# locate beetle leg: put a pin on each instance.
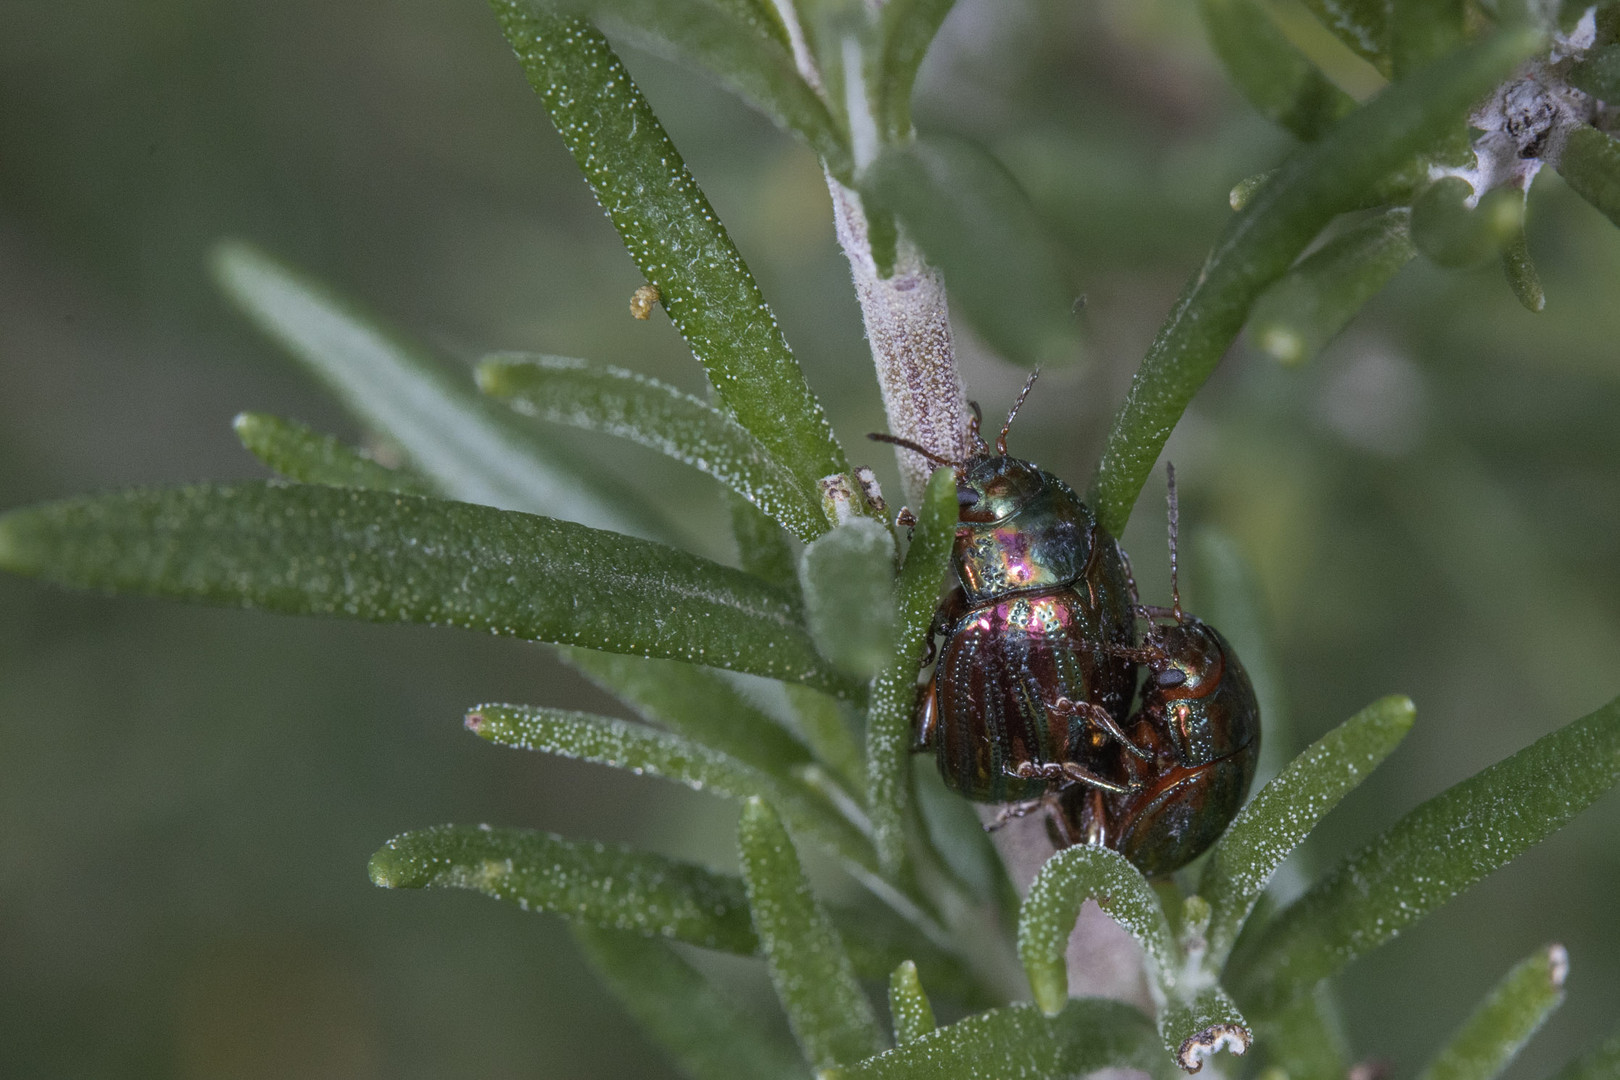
(1014, 811)
(1065, 771)
(1104, 719)
(927, 720)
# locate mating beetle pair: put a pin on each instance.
(1030, 700)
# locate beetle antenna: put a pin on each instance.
(878, 436)
(1175, 526)
(979, 445)
(1001, 440)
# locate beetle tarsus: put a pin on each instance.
(1104, 719)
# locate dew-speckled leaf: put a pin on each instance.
(976, 223)
(1510, 1014)
(1262, 241)
(1018, 1042)
(1068, 880)
(696, 703)
(1598, 74)
(1361, 24)
(826, 1008)
(1590, 165)
(601, 884)
(675, 238)
(1296, 318)
(847, 580)
(383, 557)
(909, 1008)
(641, 749)
(704, 1034)
(300, 453)
(828, 726)
(892, 705)
(1428, 857)
(1281, 82)
(906, 30)
(1198, 1025)
(656, 415)
(748, 59)
(1602, 1062)
(472, 449)
(763, 549)
(1284, 812)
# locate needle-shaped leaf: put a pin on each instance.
(907, 28)
(1269, 70)
(703, 1033)
(1284, 812)
(828, 726)
(847, 579)
(382, 557)
(1295, 319)
(1451, 233)
(1598, 74)
(1361, 24)
(1019, 1041)
(1520, 270)
(893, 700)
(471, 449)
(1428, 857)
(909, 1008)
(1201, 1023)
(1422, 31)
(656, 415)
(826, 1008)
(674, 236)
(599, 884)
(1590, 165)
(696, 703)
(1065, 883)
(746, 56)
(639, 749)
(300, 453)
(973, 220)
(763, 548)
(1268, 234)
(1602, 1062)
(1507, 1018)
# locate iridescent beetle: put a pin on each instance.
(1035, 676)
(1200, 722)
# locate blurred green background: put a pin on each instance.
(188, 796)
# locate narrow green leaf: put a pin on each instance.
(1361, 24)
(1602, 1062)
(893, 701)
(909, 1008)
(827, 1010)
(1598, 74)
(1284, 812)
(1018, 1041)
(696, 703)
(907, 30)
(828, 726)
(1295, 319)
(750, 60)
(1244, 189)
(1451, 233)
(599, 884)
(656, 415)
(1590, 165)
(1520, 270)
(763, 548)
(381, 557)
(847, 579)
(1068, 879)
(470, 448)
(1501, 1025)
(1422, 31)
(975, 222)
(1268, 234)
(643, 750)
(1304, 1040)
(1429, 856)
(704, 1034)
(1281, 82)
(1198, 1025)
(303, 454)
(674, 236)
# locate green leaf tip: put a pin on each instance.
(909, 1008)
(1510, 1014)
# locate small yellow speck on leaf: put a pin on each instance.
(642, 301)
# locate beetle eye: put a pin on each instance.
(966, 496)
(1170, 677)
